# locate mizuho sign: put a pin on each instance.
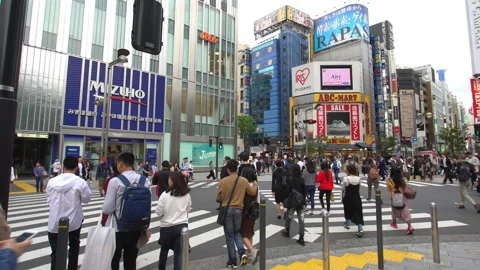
(99, 87)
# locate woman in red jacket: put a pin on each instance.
(325, 179)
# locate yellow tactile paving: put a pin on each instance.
(351, 260)
(27, 188)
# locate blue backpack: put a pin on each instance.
(135, 208)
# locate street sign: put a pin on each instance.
(414, 140)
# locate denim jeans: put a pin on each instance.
(464, 187)
(301, 219)
(311, 194)
(233, 222)
(348, 222)
(337, 179)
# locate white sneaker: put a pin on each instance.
(255, 254)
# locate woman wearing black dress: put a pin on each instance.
(352, 202)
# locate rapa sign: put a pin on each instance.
(303, 80)
(137, 98)
(347, 23)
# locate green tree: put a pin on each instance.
(454, 140)
(316, 147)
(385, 145)
(246, 127)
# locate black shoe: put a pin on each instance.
(279, 217)
(232, 265)
(218, 208)
(301, 241)
(286, 233)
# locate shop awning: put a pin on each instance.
(342, 146)
(364, 145)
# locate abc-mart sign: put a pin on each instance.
(306, 79)
(137, 97)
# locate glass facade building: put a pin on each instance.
(200, 75)
(271, 85)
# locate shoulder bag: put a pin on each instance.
(222, 214)
(409, 192)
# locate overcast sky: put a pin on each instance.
(425, 31)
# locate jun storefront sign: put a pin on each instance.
(137, 98)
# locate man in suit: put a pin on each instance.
(447, 169)
(82, 170)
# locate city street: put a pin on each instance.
(207, 241)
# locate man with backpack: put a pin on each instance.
(251, 208)
(128, 204)
(336, 165)
(465, 171)
(103, 172)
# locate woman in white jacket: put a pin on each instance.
(172, 208)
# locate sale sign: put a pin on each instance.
(475, 86)
(355, 122)
(321, 131)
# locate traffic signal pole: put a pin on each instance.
(12, 25)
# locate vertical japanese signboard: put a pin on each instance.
(355, 122)
(321, 131)
(475, 85)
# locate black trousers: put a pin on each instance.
(448, 175)
(212, 174)
(328, 193)
(74, 248)
(126, 244)
(170, 239)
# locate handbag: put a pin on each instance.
(222, 213)
(100, 247)
(332, 196)
(294, 199)
(410, 193)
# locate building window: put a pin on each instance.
(241, 70)
(120, 21)
(97, 52)
(224, 5)
(50, 24)
(137, 59)
(187, 12)
(28, 20)
(171, 27)
(154, 65)
(76, 27)
(234, 3)
(99, 29)
(241, 82)
(213, 3)
(186, 31)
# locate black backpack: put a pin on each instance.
(465, 172)
(253, 209)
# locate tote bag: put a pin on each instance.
(100, 247)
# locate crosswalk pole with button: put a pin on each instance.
(263, 243)
(325, 243)
(378, 203)
(185, 263)
(62, 244)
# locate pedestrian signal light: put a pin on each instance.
(220, 145)
(477, 129)
(147, 26)
(210, 142)
(309, 121)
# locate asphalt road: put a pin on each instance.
(207, 238)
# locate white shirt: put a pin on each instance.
(65, 195)
(80, 169)
(12, 174)
(173, 210)
(301, 164)
(113, 199)
(154, 169)
(475, 162)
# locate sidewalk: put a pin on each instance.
(453, 255)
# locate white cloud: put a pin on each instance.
(426, 31)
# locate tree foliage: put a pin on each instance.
(316, 147)
(246, 127)
(385, 145)
(454, 140)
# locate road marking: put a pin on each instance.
(27, 188)
(210, 185)
(365, 218)
(197, 185)
(387, 227)
(270, 230)
(308, 236)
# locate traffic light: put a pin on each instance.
(279, 141)
(477, 129)
(220, 145)
(210, 142)
(147, 26)
(309, 121)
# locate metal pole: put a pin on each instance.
(218, 136)
(185, 262)
(106, 110)
(326, 245)
(216, 156)
(378, 204)
(306, 133)
(62, 244)
(435, 238)
(12, 26)
(263, 243)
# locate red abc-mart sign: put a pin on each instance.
(475, 85)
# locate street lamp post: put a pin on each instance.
(122, 59)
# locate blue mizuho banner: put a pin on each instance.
(137, 98)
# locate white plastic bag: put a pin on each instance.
(100, 247)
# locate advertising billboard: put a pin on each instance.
(337, 98)
(336, 77)
(325, 76)
(299, 17)
(137, 98)
(473, 16)
(339, 120)
(270, 20)
(347, 23)
(475, 85)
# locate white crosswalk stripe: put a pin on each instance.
(313, 223)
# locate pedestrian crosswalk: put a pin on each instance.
(203, 184)
(412, 183)
(313, 223)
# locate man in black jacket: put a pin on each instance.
(161, 178)
(224, 173)
(447, 169)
